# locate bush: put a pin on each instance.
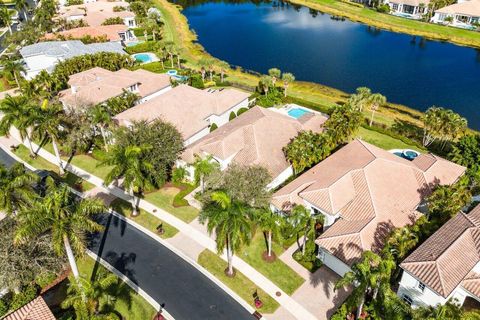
(309, 261)
(112, 21)
(196, 81)
(25, 296)
(179, 174)
(232, 116)
(73, 2)
(383, 8)
(209, 84)
(153, 67)
(99, 154)
(141, 47)
(241, 110)
(185, 189)
(119, 8)
(3, 308)
(45, 279)
(213, 127)
(138, 32)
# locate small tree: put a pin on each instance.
(265, 84)
(287, 79)
(275, 74)
(270, 223)
(203, 167)
(302, 220)
(375, 101)
(100, 118)
(16, 188)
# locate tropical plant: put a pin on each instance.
(442, 124)
(100, 118)
(302, 220)
(448, 311)
(223, 66)
(401, 242)
(466, 151)
(203, 167)
(228, 219)
(16, 188)
(112, 21)
(22, 5)
(375, 101)
(67, 218)
(343, 123)
(275, 74)
(270, 223)
(6, 17)
(287, 79)
(14, 68)
(265, 84)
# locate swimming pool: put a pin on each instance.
(405, 153)
(297, 112)
(143, 57)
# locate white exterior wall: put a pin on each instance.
(224, 117)
(130, 22)
(409, 286)
(333, 262)
(287, 173)
(75, 17)
(153, 95)
(197, 136)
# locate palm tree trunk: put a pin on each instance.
(360, 306)
(16, 79)
(71, 257)
(10, 28)
(59, 159)
(202, 184)
(134, 203)
(285, 90)
(222, 75)
(304, 243)
(30, 147)
(25, 15)
(102, 131)
(371, 118)
(153, 35)
(269, 243)
(171, 59)
(211, 76)
(178, 61)
(229, 257)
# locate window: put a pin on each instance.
(407, 299)
(421, 286)
(394, 6)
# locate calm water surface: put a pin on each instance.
(342, 54)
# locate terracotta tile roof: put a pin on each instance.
(36, 309)
(446, 259)
(111, 32)
(97, 85)
(95, 13)
(372, 190)
(414, 3)
(186, 107)
(469, 8)
(256, 137)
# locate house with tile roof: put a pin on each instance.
(97, 85)
(36, 309)
(413, 9)
(363, 192)
(115, 32)
(463, 14)
(191, 110)
(446, 266)
(256, 137)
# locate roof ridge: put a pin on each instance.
(440, 277)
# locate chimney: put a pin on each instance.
(74, 89)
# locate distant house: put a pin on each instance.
(45, 55)
(446, 266)
(97, 85)
(115, 33)
(192, 111)
(363, 192)
(37, 309)
(95, 13)
(463, 14)
(414, 9)
(256, 137)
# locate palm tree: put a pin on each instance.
(14, 68)
(266, 83)
(275, 74)
(287, 79)
(6, 17)
(270, 223)
(203, 167)
(360, 98)
(48, 126)
(302, 219)
(16, 188)
(401, 242)
(223, 68)
(375, 101)
(18, 112)
(128, 163)
(448, 311)
(66, 217)
(229, 220)
(101, 118)
(22, 5)
(169, 49)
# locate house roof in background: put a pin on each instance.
(36, 309)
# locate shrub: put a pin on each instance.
(213, 127)
(45, 279)
(119, 8)
(141, 47)
(153, 67)
(185, 189)
(112, 21)
(25, 296)
(241, 110)
(232, 116)
(138, 32)
(99, 154)
(196, 81)
(383, 8)
(3, 308)
(179, 174)
(73, 2)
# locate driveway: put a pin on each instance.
(185, 292)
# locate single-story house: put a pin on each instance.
(97, 85)
(192, 111)
(363, 192)
(256, 137)
(36, 309)
(461, 14)
(95, 13)
(45, 55)
(413, 9)
(446, 266)
(116, 33)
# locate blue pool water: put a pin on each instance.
(297, 112)
(409, 70)
(143, 57)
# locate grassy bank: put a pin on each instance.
(393, 23)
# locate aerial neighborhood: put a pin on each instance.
(143, 178)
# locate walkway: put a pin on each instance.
(194, 235)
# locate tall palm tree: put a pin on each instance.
(16, 188)
(287, 79)
(447, 311)
(14, 68)
(128, 163)
(228, 219)
(275, 73)
(22, 5)
(401, 242)
(270, 223)
(375, 101)
(18, 112)
(223, 68)
(360, 98)
(302, 219)
(66, 217)
(48, 126)
(6, 17)
(203, 167)
(266, 83)
(100, 118)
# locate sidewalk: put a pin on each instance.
(191, 233)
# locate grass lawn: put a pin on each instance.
(90, 165)
(278, 272)
(139, 309)
(383, 141)
(145, 219)
(40, 163)
(163, 199)
(240, 284)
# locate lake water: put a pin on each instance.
(342, 54)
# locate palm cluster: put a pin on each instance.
(443, 125)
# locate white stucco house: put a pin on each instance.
(363, 192)
(464, 14)
(256, 137)
(45, 55)
(446, 266)
(192, 111)
(413, 9)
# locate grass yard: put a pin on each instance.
(163, 199)
(383, 141)
(240, 284)
(91, 165)
(139, 309)
(278, 272)
(145, 219)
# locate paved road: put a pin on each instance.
(5, 159)
(167, 278)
